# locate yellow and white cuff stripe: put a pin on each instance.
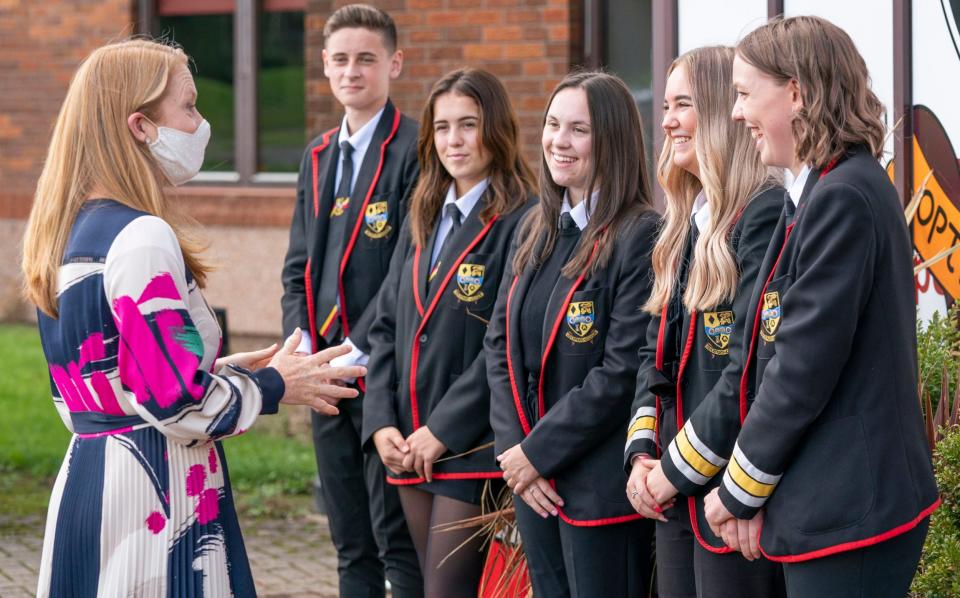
(643, 426)
(693, 458)
(746, 482)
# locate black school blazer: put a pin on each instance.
(387, 176)
(571, 432)
(426, 366)
(833, 446)
(689, 376)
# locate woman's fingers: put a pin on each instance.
(324, 357)
(743, 538)
(549, 492)
(343, 372)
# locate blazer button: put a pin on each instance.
(423, 338)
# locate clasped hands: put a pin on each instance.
(651, 492)
(308, 379)
(417, 453)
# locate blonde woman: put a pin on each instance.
(721, 210)
(142, 505)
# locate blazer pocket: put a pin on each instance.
(583, 327)
(473, 286)
(378, 224)
(829, 484)
(717, 326)
(771, 316)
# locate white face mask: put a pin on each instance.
(180, 154)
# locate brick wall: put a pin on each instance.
(527, 43)
(41, 44)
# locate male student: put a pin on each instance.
(354, 184)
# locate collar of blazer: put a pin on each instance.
(560, 298)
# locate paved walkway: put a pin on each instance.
(288, 558)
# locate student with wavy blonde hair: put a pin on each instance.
(832, 458)
(721, 208)
(142, 504)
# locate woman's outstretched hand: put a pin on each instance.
(310, 380)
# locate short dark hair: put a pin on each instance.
(366, 17)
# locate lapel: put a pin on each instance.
(556, 303)
(515, 304)
(423, 266)
(469, 230)
(324, 173)
(369, 171)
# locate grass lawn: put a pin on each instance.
(271, 467)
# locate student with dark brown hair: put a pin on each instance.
(352, 195)
(427, 402)
(562, 345)
(832, 460)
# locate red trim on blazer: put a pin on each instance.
(745, 375)
(524, 424)
(415, 355)
(480, 475)
(358, 225)
(691, 501)
(311, 308)
(847, 546)
(315, 159)
(658, 363)
(541, 406)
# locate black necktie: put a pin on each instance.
(789, 208)
(567, 222)
(328, 320)
(452, 212)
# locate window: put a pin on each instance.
(248, 63)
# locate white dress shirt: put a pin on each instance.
(796, 187)
(465, 204)
(701, 211)
(579, 213)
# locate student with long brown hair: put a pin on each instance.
(427, 401)
(832, 458)
(722, 205)
(562, 345)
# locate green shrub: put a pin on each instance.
(939, 573)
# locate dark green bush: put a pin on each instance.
(939, 573)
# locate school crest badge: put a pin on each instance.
(340, 206)
(718, 325)
(580, 320)
(770, 316)
(469, 281)
(377, 218)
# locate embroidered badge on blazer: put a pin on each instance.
(340, 206)
(770, 316)
(469, 281)
(377, 218)
(580, 320)
(718, 325)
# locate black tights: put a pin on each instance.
(459, 575)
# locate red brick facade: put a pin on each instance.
(42, 43)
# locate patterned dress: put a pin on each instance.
(142, 505)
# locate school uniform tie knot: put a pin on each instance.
(452, 212)
(567, 222)
(789, 208)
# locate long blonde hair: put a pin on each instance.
(731, 174)
(92, 150)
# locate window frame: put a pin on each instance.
(246, 61)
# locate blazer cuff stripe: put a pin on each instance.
(705, 468)
(645, 422)
(747, 483)
(640, 435)
(752, 470)
(685, 468)
(705, 452)
(739, 494)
